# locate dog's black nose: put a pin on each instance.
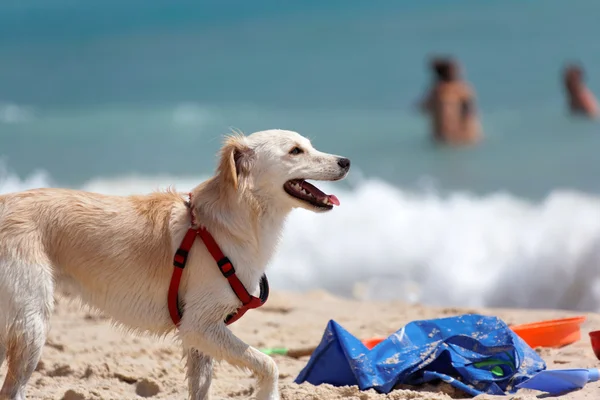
(344, 163)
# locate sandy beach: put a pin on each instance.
(86, 357)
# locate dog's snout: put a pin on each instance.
(344, 163)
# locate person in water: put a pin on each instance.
(450, 104)
(581, 100)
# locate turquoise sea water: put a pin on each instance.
(128, 96)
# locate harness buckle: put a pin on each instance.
(226, 267)
(180, 258)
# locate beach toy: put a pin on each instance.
(474, 353)
(559, 381)
(550, 333)
(307, 351)
(595, 338)
(372, 342)
(294, 353)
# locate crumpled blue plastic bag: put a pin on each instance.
(474, 353)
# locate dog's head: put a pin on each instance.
(275, 166)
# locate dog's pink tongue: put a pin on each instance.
(334, 200)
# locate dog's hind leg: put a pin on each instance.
(24, 353)
(199, 374)
(31, 307)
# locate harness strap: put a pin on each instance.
(179, 262)
(226, 268)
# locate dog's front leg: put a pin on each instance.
(199, 374)
(217, 341)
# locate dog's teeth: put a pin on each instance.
(297, 187)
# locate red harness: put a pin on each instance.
(226, 268)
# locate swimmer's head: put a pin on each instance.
(445, 69)
(573, 74)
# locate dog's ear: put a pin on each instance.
(236, 160)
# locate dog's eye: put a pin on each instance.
(296, 150)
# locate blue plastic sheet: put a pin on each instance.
(474, 353)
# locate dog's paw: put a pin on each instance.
(268, 392)
(268, 396)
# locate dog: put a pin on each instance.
(116, 254)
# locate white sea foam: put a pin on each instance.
(384, 242)
(190, 114)
(11, 113)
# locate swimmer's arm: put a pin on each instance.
(468, 108)
(426, 104)
(589, 103)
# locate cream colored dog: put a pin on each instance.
(116, 254)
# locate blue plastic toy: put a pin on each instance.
(559, 381)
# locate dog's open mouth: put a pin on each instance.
(308, 193)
